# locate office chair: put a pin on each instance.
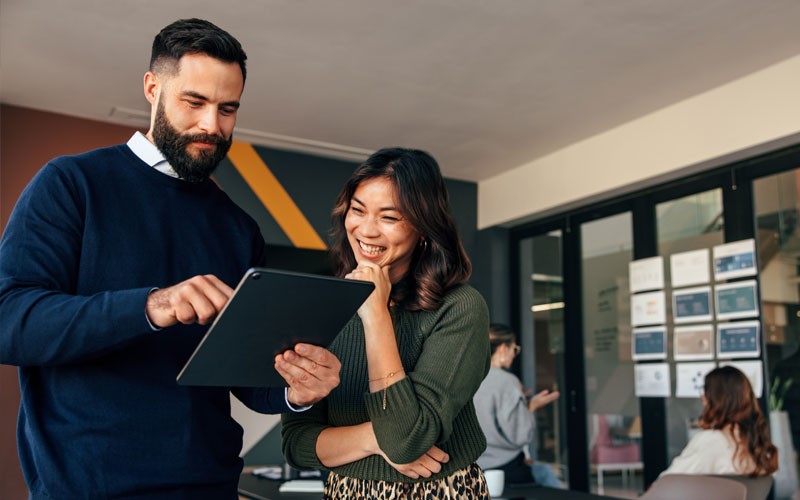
(757, 487)
(695, 487)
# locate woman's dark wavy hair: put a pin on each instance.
(730, 401)
(422, 199)
(195, 36)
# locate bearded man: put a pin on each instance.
(112, 265)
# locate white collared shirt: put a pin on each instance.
(150, 154)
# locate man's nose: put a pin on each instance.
(209, 122)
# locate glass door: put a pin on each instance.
(777, 209)
(542, 339)
(689, 223)
(612, 409)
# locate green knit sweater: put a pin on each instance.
(445, 354)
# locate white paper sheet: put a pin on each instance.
(648, 309)
(646, 274)
(690, 378)
(690, 268)
(652, 380)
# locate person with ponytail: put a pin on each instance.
(734, 438)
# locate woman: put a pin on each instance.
(506, 415)
(735, 438)
(402, 423)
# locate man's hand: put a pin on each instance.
(196, 300)
(311, 372)
(544, 398)
(425, 466)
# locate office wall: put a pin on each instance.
(734, 120)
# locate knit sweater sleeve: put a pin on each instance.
(299, 434)
(514, 420)
(44, 320)
(420, 409)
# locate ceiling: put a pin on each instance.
(484, 85)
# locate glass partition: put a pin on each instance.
(542, 339)
(613, 420)
(689, 223)
(778, 238)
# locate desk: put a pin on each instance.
(257, 488)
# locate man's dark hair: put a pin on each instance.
(194, 36)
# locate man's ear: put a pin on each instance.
(151, 87)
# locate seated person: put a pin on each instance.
(506, 415)
(734, 438)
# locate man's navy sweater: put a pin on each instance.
(101, 414)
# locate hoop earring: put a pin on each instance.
(424, 244)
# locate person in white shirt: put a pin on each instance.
(734, 438)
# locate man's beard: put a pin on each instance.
(173, 144)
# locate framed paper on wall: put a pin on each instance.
(649, 343)
(692, 305)
(692, 343)
(739, 339)
(736, 300)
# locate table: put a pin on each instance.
(258, 488)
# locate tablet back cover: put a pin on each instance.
(270, 312)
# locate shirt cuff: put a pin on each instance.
(152, 326)
(296, 409)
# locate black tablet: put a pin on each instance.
(270, 312)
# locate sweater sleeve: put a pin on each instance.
(514, 420)
(421, 408)
(299, 434)
(44, 320)
(268, 400)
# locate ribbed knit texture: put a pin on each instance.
(445, 354)
(101, 414)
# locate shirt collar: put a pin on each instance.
(150, 154)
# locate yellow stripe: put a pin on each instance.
(274, 198)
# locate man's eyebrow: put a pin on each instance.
(197, 95)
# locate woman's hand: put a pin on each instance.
(425, 466)
(378, 301)
(544, 398)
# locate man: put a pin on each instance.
(110, 265)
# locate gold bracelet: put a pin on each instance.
(385, 385)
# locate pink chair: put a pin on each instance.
(605, 455)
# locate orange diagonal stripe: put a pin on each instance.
(274, 198)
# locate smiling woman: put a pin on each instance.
(418, 345)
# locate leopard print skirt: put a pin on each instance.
(466, 483)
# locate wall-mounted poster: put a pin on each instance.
(648, 309)
(734, 260)
(754, 371)
(649, 343)
(652, 380)
(736, 300)
(692, 305)
(646, 274)
(690, 378)
(739, 339)
(690, 268)
(692, 343)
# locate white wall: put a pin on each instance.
(746, 113)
